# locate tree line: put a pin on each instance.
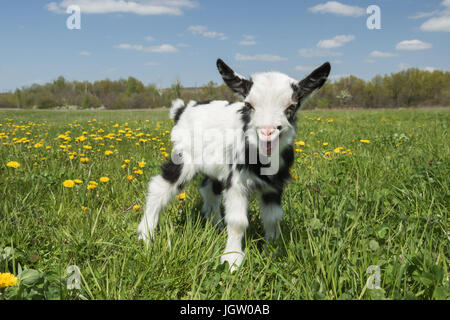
(408, 88)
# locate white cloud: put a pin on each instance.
(85, 53)
(439, 20)
(381, 54)
(437, 24)
(203, 31)
(318, 52)
(335, 42)
(141, 7)
(248, 40)
(259, 57)
(338, 8)
(421, 15)
(149, 38)
(413, 45)
(163, 48)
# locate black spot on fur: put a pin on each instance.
(245, 116)
(171, 171)
(217, 186)
(228, 183)
(277, 180)
(178, 114)
(273, 197)
(199, 103)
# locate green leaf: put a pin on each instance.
(31, 277)
(441, 293)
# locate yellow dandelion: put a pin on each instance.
(87, 147)
(142, 164)
(300, 143)
(7, 279)
(325, 144)
(13, 164)
(69, 184)
(108, 152)
(364, 141)
(104, 179)
(127, 161)
(130, 177)
(84, 208)
(77, 181)
(181, 196)
(84, 160)
(139, 171)
(136, 207)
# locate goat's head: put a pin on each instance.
(272, 99)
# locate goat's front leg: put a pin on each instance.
(271, 214)
(236, 203)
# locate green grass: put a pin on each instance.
(383, 203)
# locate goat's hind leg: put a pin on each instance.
(161, 189)
(211, 191)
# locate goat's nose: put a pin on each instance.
(266, 131)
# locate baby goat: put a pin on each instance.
(239, 147)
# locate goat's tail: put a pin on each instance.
(176, 109)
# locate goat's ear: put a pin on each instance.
(311, 83)
(234, 81)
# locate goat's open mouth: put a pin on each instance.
(266, 147)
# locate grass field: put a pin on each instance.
(369, 188)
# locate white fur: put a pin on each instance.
(210, 139)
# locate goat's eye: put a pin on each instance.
(249, 106)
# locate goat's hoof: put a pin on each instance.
(234, 259)
(144, 234)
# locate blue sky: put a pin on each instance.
(160, 41)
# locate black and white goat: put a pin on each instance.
(239, 147)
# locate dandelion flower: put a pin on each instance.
(108, 152)
(364, 141)
(181, 196)
(7, 279)
(104, 179)
(136, 207)
(84, 208)
(130, 177)
(77, 181)
(142, 164)
(92, 185)
(84, 160)
(325, 144)
(13, 164)
(69, 184)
